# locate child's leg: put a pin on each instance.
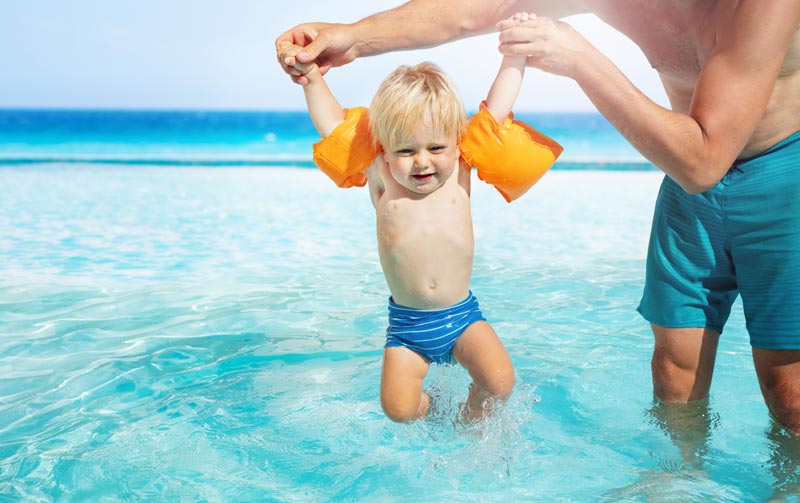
(480, 351)
(402, 397)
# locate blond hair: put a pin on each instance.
(404, 99)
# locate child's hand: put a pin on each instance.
(522, 17)
(550, 45)
(518, 19)
(299, 72)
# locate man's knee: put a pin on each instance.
(683, 363)
(783, 401)
(666, 377)
(779, 377)
(675, 382)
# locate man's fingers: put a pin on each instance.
(282, 40)
(532, 61)
(300, 79)
(511, 49)
(507, 24)
(508, 35)
(311, 51)
(510, 23)
(307, 55)
(520, 48)
(300, 37)
(517, 35)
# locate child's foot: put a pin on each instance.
(468, 416)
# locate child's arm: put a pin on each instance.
(508, 153)
(506, 85)
(325, 111)
(346, 149)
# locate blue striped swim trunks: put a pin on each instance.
(431, 332)
(741, 237)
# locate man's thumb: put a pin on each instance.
(311, 51)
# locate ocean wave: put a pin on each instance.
(299, 161)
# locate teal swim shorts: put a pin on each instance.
(740, 237)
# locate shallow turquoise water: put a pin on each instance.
(180, 334)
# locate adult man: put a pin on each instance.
(728, 216)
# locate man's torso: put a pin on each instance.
(677, 39)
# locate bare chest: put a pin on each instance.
(443, 216)
(675, 37)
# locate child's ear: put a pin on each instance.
(385, 156)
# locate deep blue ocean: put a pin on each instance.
(219, 138)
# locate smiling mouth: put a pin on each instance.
(423, 177)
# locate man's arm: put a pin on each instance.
(734, 86)
(413, 25)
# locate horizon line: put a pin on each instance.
(4, 108)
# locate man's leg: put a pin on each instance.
(682, 367)
(779, 377)
(683, 363)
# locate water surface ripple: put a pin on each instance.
(216, 335)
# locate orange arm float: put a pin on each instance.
(348, 150)
(512, 156)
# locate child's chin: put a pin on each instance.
(425, 188)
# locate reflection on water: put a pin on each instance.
(689, 426)
(784, 462)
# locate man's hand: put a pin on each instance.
(301, 73)
(552, 46)
(325, 44)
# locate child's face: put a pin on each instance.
(425, 160)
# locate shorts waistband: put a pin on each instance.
(786, 142)
(397, 309)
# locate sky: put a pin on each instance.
(219, 55)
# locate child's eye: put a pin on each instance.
(404, 151)
(436, 148)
